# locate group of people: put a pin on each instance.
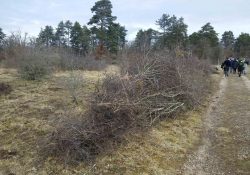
(232, 65)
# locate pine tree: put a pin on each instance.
(174, 32)
(228, 39)
(145, 39)
(116, 37)
(205, 42)
(46, 36)
(102, 21)
(227, 42)
(80, 38)
(68, 27)
(208, 34)
(60, 35)
(2, 36)
(242, 45)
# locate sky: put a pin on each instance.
(31, 15)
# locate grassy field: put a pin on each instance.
(29, 112)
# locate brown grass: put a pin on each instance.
(160, 87)
(31, 110)
(29, 113)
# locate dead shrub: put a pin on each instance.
(69, 61)
(14, 46)
(5, 89)
(17, 51)
(73, 84)
(150, 89)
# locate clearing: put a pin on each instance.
(197, 142)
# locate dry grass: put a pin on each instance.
(153, 89)
(28, 113)
(248, 73)
(161, 151)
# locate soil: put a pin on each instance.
(225, 147)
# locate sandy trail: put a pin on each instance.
(225, 147)
(246, 81)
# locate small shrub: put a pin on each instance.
(34, 66)
(73, 84)
(5, 89)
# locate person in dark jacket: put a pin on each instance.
(225, 66)
(231, 65)
(241, 67)
(235, 65)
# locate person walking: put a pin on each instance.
(240, 67)
(231, 65)
(225, 66)
(235, 65)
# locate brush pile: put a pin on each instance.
(148, 90)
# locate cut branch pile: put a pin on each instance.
(148, 90)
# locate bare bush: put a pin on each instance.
(150, 89)
(17, 46)
(69, 60)
(13, 46)
(73, 83)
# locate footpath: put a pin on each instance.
(225, 147)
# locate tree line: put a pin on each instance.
(205, 43)
(102, 34)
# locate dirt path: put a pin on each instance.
(225, 147)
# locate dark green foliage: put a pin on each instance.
(209, 35)
(145, 39)
(60, 35)
(46, 36)
(116, 37)
(80, 38)
(242, 45)
(106, 33)
(205, 43)
(194, 38)
(102, 19)
(228, 42)
(103, 13)
(174, 32)
(228, 39)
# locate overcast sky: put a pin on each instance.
(30, 15)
